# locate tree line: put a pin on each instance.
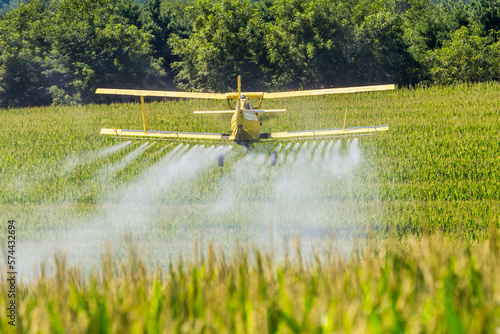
(58, 52)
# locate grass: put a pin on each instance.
(428, 191)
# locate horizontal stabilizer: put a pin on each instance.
(214, 112)
(324, 132)
(165, 134)
(264, 110)
(232, 111)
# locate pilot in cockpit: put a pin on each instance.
(245, 101)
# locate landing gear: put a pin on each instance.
(272, 157)
(220, 160)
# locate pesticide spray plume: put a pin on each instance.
(106, 172)
(75, 161)
(184, 196)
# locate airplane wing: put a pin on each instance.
(328, 91)
(166, 93)
(161, 93)
(324, 132)
(166, 134)
(163, 134)
(229, 96)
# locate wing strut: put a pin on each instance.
(144, 114)
(346, 107)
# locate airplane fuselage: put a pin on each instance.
(245, 124)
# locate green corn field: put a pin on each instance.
(431, 284)
(404, 240)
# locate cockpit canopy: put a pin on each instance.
(245, 102)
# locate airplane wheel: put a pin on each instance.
(273, 158)
(220, 160)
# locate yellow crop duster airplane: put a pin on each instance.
(245, 124)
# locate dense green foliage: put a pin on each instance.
(6, 5)
(60, 51)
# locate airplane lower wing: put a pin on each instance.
(165, 134)
(324, 132)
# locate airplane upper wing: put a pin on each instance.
(324, 132)
(229, 96)
(161, 93)
(327, 91)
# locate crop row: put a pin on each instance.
(437, 165)
(434, 284)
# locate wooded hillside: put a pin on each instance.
(59, 52)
